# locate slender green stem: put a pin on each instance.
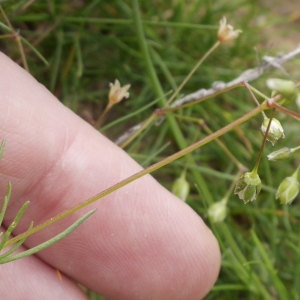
(279, 285)
(214, 47)
(276, 98)
(255, 169)
(157, 88)
(253, 97)
(257, 92)
(175, 129)
(144, 125)
(128, 116)
(21, 49)
(129, 22)
(222, 145)
(144, 172)
(224, 148)
(100, 120)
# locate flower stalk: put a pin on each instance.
(140, 174)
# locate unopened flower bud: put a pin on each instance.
(283, 153)
(286, 88)
(218, 211)
(181, 187)
(248, 186)
(288, 189)
(275, 131)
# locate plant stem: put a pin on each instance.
(284, 110)
(253, 97)
(157, 88)
(144, 172)
(144, 125)
(214, 47)
(100, 120)
(263, 143)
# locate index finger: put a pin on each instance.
(142, 242)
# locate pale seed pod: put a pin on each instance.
(248, 187)
(275, 132)
(282, 154)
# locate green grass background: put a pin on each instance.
(84, 45)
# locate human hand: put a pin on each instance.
(142, 243)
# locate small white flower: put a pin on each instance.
(226, 32)
(117, 93)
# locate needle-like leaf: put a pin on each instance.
(47, 243)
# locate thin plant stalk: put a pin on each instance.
(153, 77)
(284, 110)
(222, 145)
(255, 169)
(253, 97)
(100, 120)
(214, 47)
(144, 172)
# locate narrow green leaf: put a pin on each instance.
(56, 64)
(14, 224)
(47, 243)
(18, 245)
(5, 202)
(129, 116)
(2, 147)
(278, 284)
(79, 57)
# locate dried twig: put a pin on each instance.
(219, 86)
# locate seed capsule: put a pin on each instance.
(275, 132)
(248, 187)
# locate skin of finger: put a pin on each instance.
(30, 278)
(142, 243)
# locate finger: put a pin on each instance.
(142, 241)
